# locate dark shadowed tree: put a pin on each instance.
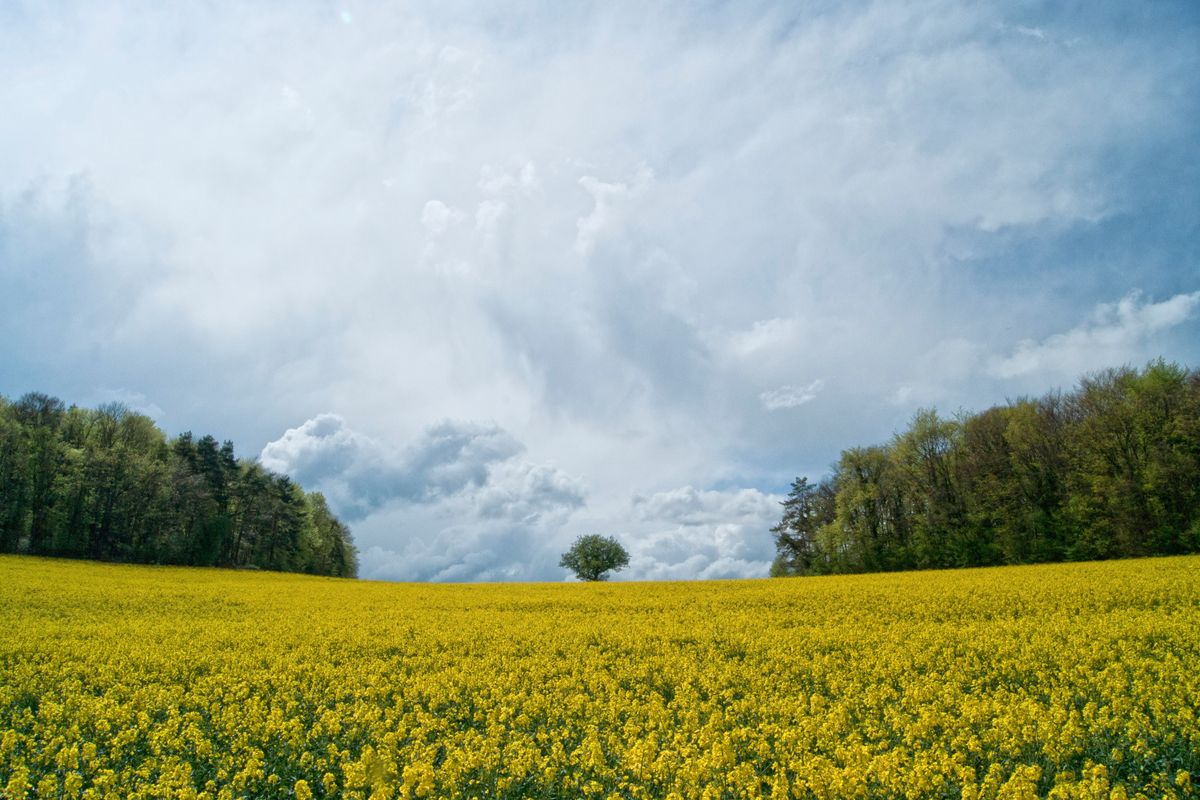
(14, 489)
(41, 414)
(106, 484)
(806, 510)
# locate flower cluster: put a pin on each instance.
(1067, 681)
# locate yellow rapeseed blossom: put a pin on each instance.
(1066, 681)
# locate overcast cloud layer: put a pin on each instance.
(494, 278)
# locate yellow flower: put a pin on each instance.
(980, 683)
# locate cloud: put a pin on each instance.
(457, 503)
(353, 471)
(1036, 33)
(134, 401)
(451, 456)
(708, 534)
(765, 336)
(53, 258)
(360, 475)
(950, 363)
(690, 506)
(437, 217)
(526, 493)
(463, 553)
(1112, 334)
(609, 202)
(1129, 331)
(514, 526)
(791, 396)
(620, 233)
(318, 449)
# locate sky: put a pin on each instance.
(493, 276)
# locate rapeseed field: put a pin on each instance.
(1068, 681)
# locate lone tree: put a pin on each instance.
(593, 556)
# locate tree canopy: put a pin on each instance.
(107, 484)
(1111, 469)
(593, 556)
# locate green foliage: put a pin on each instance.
(593, 556)
(805, 511)
(1109, 470)
(106, 484)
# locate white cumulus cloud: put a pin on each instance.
(437, 217)
(609, 202)
(457, 503)
(691, 533)
(360, 475)
(1113, 334)
(791, 396)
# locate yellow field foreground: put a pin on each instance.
(1070, 681)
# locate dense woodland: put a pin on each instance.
(106, 483)
(1109, 470)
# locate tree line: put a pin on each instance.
(1108, 470)
(108, 484)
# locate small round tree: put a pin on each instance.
(593, 556)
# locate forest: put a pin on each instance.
(1110, 469)
(108, 484)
